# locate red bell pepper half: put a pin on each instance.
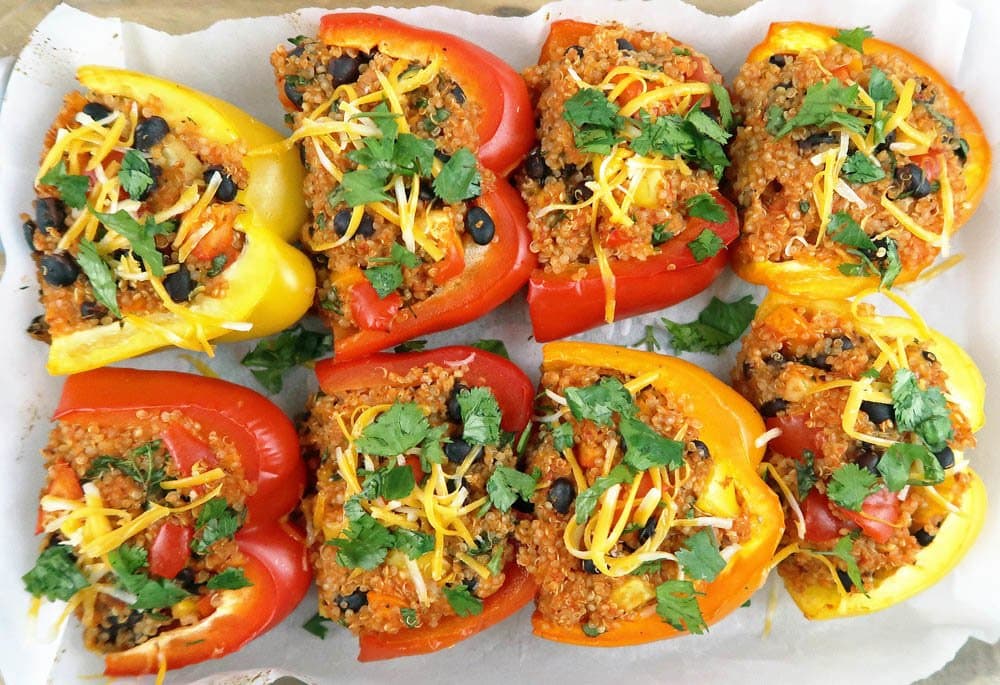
(266, 440)
(514, 393)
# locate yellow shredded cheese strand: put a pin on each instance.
(194, 480)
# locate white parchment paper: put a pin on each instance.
(230, 60)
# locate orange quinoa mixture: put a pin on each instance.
(780, 371)
(633, 202)
(125, 471)
(575, 591)
(416, 581)
(917, 167)
(335, 92)
(149, 167)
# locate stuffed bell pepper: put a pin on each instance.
(164, 515)
(153, 227)
(624, 208)
(407, 135)
(410, 527)
(854, 164)
(649, 519)
(869, 420)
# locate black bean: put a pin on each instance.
(50, 212)
(28, 229)
(39, 329)
(578, 49)
(561, 494)
(911, 181)
(342, 219)
(929, 356)
(878, 412)
(647, 530)
(845, 343)
(747, 368)
(471, 583)
(623, 44)
(344, 69)
(427, 193)
(59, 269)
(845, 580)
(946, 458)
(480, 226)
(96, 111)
(777, 60)
(523, 506)
(772, 407)
(817, 362)
(884, 145)
(293, 94)
(775, 359)
(458, 94)
(701, 449)
(149, 132)
(580, 193)
(868, 460)
(453, 409)
(353, 601)
(296, 52)
(154, 173)
(588, 566)
(815, 140)
(457, 450)
(92, 310)
(443, 156)
(227, 187)
(923, 537)
(186, 579)
(961, 150)
(535, 166)
(179, 285)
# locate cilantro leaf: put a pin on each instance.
(359, 187)
(854, 38)
(706, 125)
(704, 206)
(391, 481)
(696, 137)
(677, 604)
(384, 279)
(134, 175)
(410, 346)
(139, 236)
(562, 436)
(102, 280)
(230, 579)
(587, 500)
(216, 521)
(506, 485)
(459, 178)
(365, 544)
(843, 551)
(595, 122)
(432, 448)
(881, 260)
(645, 448)
(598, 402)
(315, 625)
(724, 104)
(845, 230)
(896, 463)
(413, 156)
(55, 575)
(648, 339)
(462, 601)
(140, 465)
(860, 168)
(413, 543)
(925, 412)
(480, 416)
(401, 427)
(805, 472)
(270, 359)
(72, 189)
(880, 87)
(819, 108)
(718, 325)
(647, 567)
(700, 557)
(850, 485)
(496, 347)
(706, 245)
(409, 616)
(159, 593)
(775, 120)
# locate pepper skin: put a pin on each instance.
(726, 421)
(276, 556)
(270, 285)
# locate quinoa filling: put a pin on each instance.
(621, 527)
(411, 519)
(391, 176)
(864, 495)
(135, 544)
(134, 215)
(847, 158)
(631, 147)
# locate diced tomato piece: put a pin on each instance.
(171, 549)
